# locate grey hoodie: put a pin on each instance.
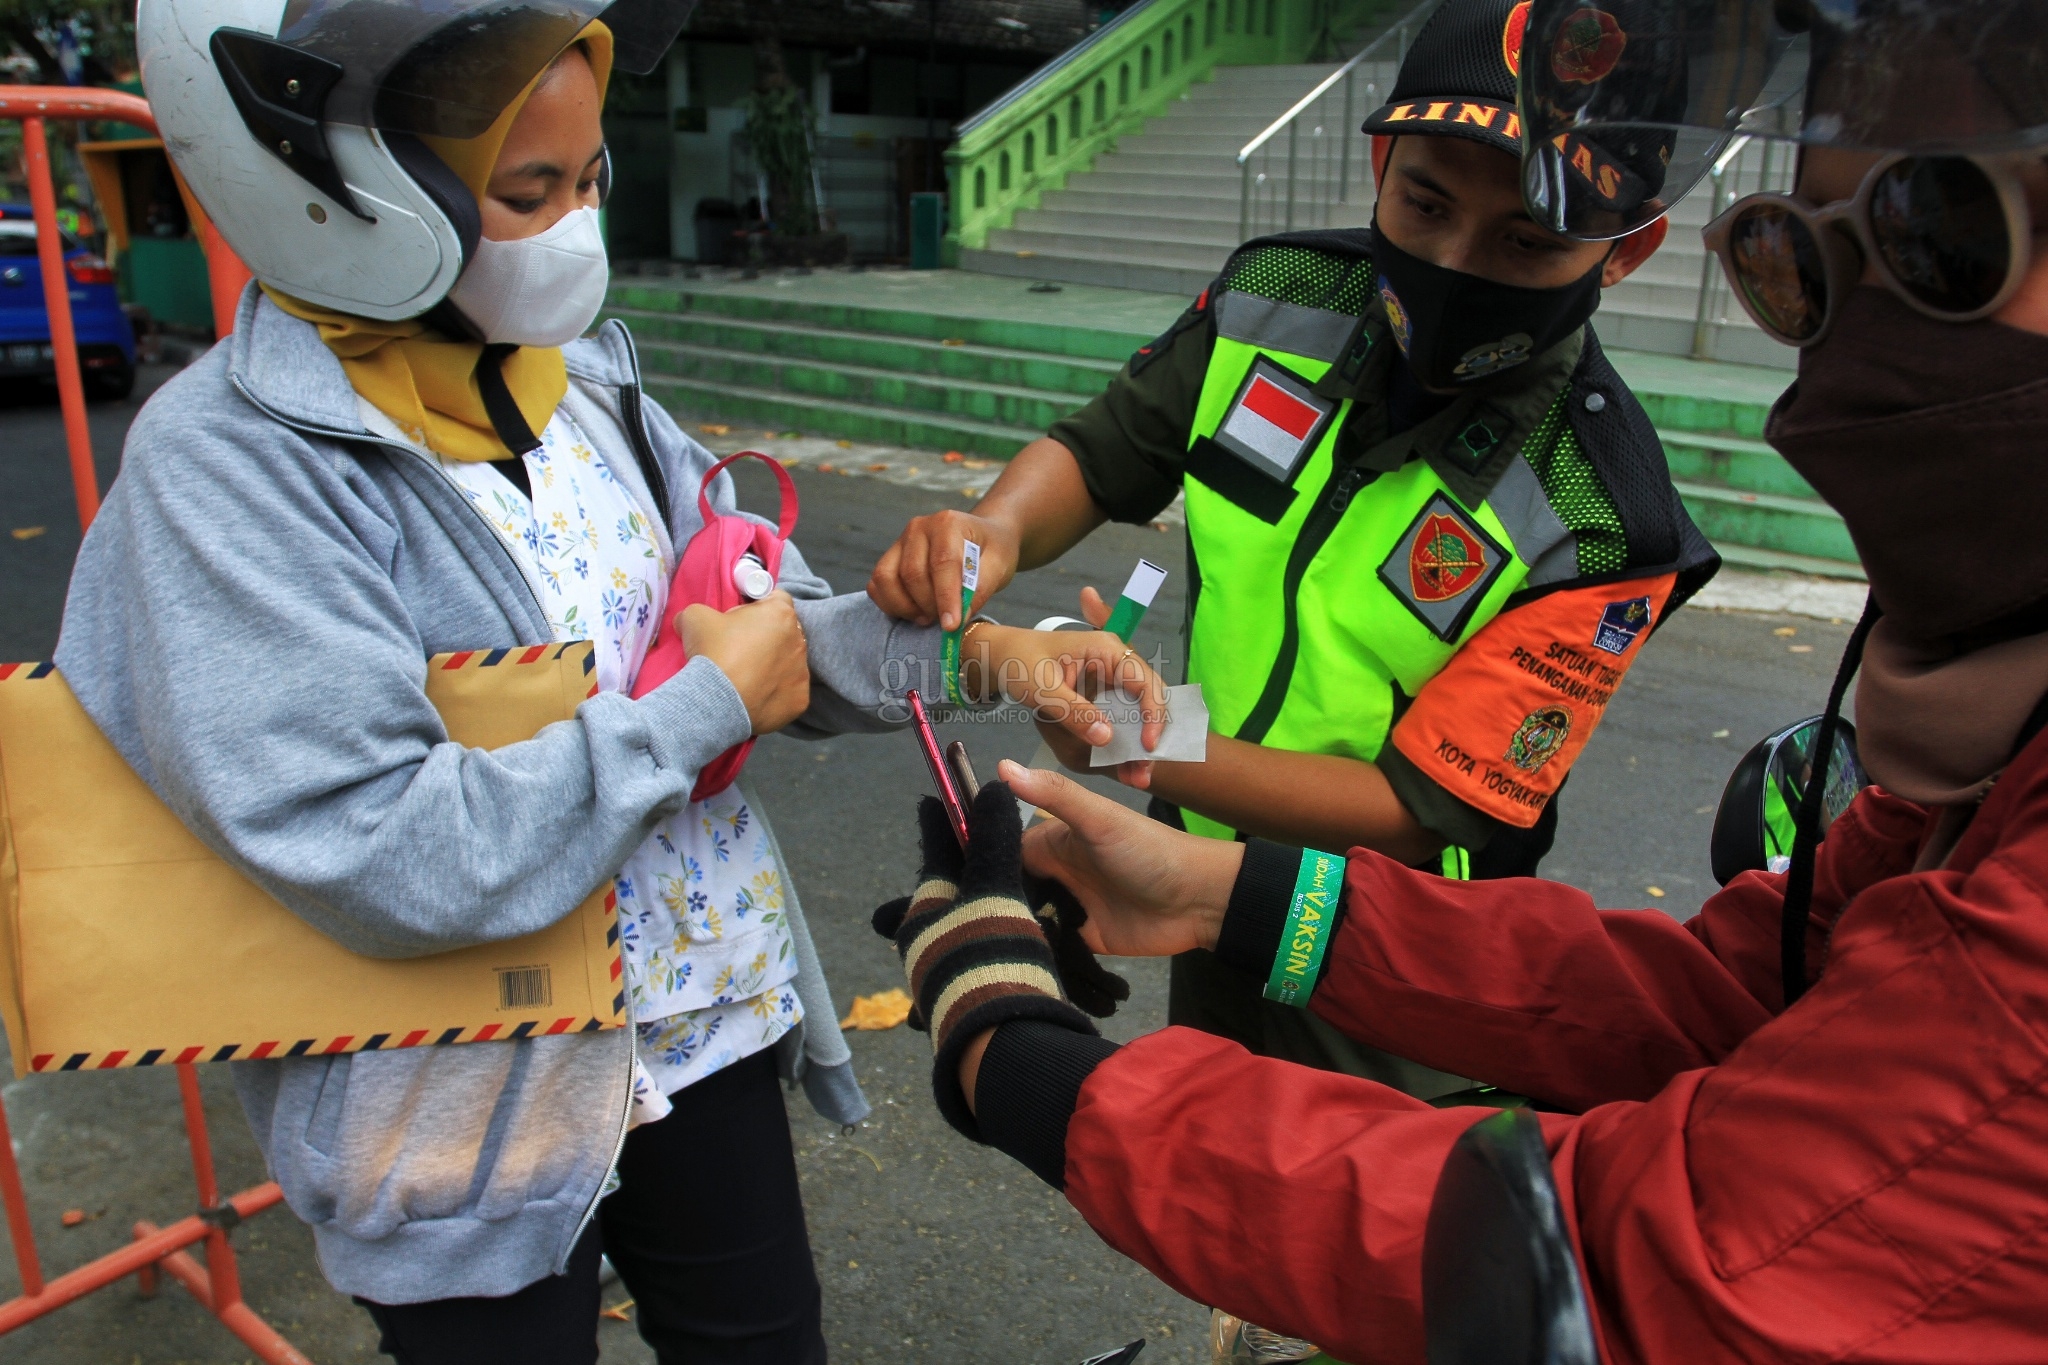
(249, 622)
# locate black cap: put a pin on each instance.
(1459, 79)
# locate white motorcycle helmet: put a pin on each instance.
(297, 125)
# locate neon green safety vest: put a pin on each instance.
(1321, 590)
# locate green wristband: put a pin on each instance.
(1135, 598)
(949, 648)
(1307, 932)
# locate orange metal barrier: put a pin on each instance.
(217, 1284)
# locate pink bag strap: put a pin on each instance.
(786, 523)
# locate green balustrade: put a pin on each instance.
(1055, 123)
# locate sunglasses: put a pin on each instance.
(1950, 234)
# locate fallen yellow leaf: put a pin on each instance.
(882, 1010)
(1656, 891)
(970, 492)
(977, 464)
(877, 468)
(1800, 649)
(953, 341)
(844, 445)
(28, 532)
(1786, 630)
(715, 429)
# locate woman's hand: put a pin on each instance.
(1056, 672)
(918, 578)
(761, 650)
(1150, 891)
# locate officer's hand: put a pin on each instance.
(918, 578)
(1149, 891)
(1065, 677)
(760, 647)
(1136, 774)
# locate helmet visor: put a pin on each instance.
(1660, 87)
(448, 68)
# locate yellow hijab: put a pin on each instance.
(426, 382)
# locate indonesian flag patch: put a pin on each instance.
(1275, 421)
(1443, 565)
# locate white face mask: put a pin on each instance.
(543, 290)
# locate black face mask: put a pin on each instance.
(1457, 329)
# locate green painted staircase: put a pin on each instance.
(847, 360)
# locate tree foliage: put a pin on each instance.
(104, 29)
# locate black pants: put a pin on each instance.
(706, 1229)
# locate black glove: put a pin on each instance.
(975, 955)
(1089, 984)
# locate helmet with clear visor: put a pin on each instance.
(1627, 104)
(297, 125)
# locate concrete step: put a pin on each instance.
(1216, 207)
(866, 386)
(1180, 142)
(838, 357)
(1220, 181)
(1735, 463)
(1207, 229)
(882, 317)
(1775, 561)
(1175, 162)
(1767, 521)
(1738, 343)
(952, 358)
(1079, 246)
(1110, 272)
(810, 415)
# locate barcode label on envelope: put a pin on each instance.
(522, 988)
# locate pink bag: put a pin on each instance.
(706, 574)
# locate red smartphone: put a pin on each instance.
(942, 775)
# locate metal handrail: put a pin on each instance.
(1710, 265)
(1046, 74)
(1399, 32)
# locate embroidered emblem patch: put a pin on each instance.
(1538, 738)
(1443, 565)
(1275, 420)
(1494, 356)
(1587, 46)
(1620, 624)
(1511, 37)
(1397, 316)
(1444, 560)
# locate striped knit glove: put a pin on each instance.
(975, 955)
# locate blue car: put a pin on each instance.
(106, 343)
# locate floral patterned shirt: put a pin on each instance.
(710, 966)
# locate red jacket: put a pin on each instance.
(1862, 1177)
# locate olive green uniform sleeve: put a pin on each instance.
(1131, 441)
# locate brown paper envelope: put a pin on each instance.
(124, 941)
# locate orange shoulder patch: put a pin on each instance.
(1507, 717)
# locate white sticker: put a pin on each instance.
(1145, 581)
(970, 565)
(1186, 739)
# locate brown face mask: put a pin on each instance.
(1931, 439)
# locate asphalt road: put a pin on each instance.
(930, 1249)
